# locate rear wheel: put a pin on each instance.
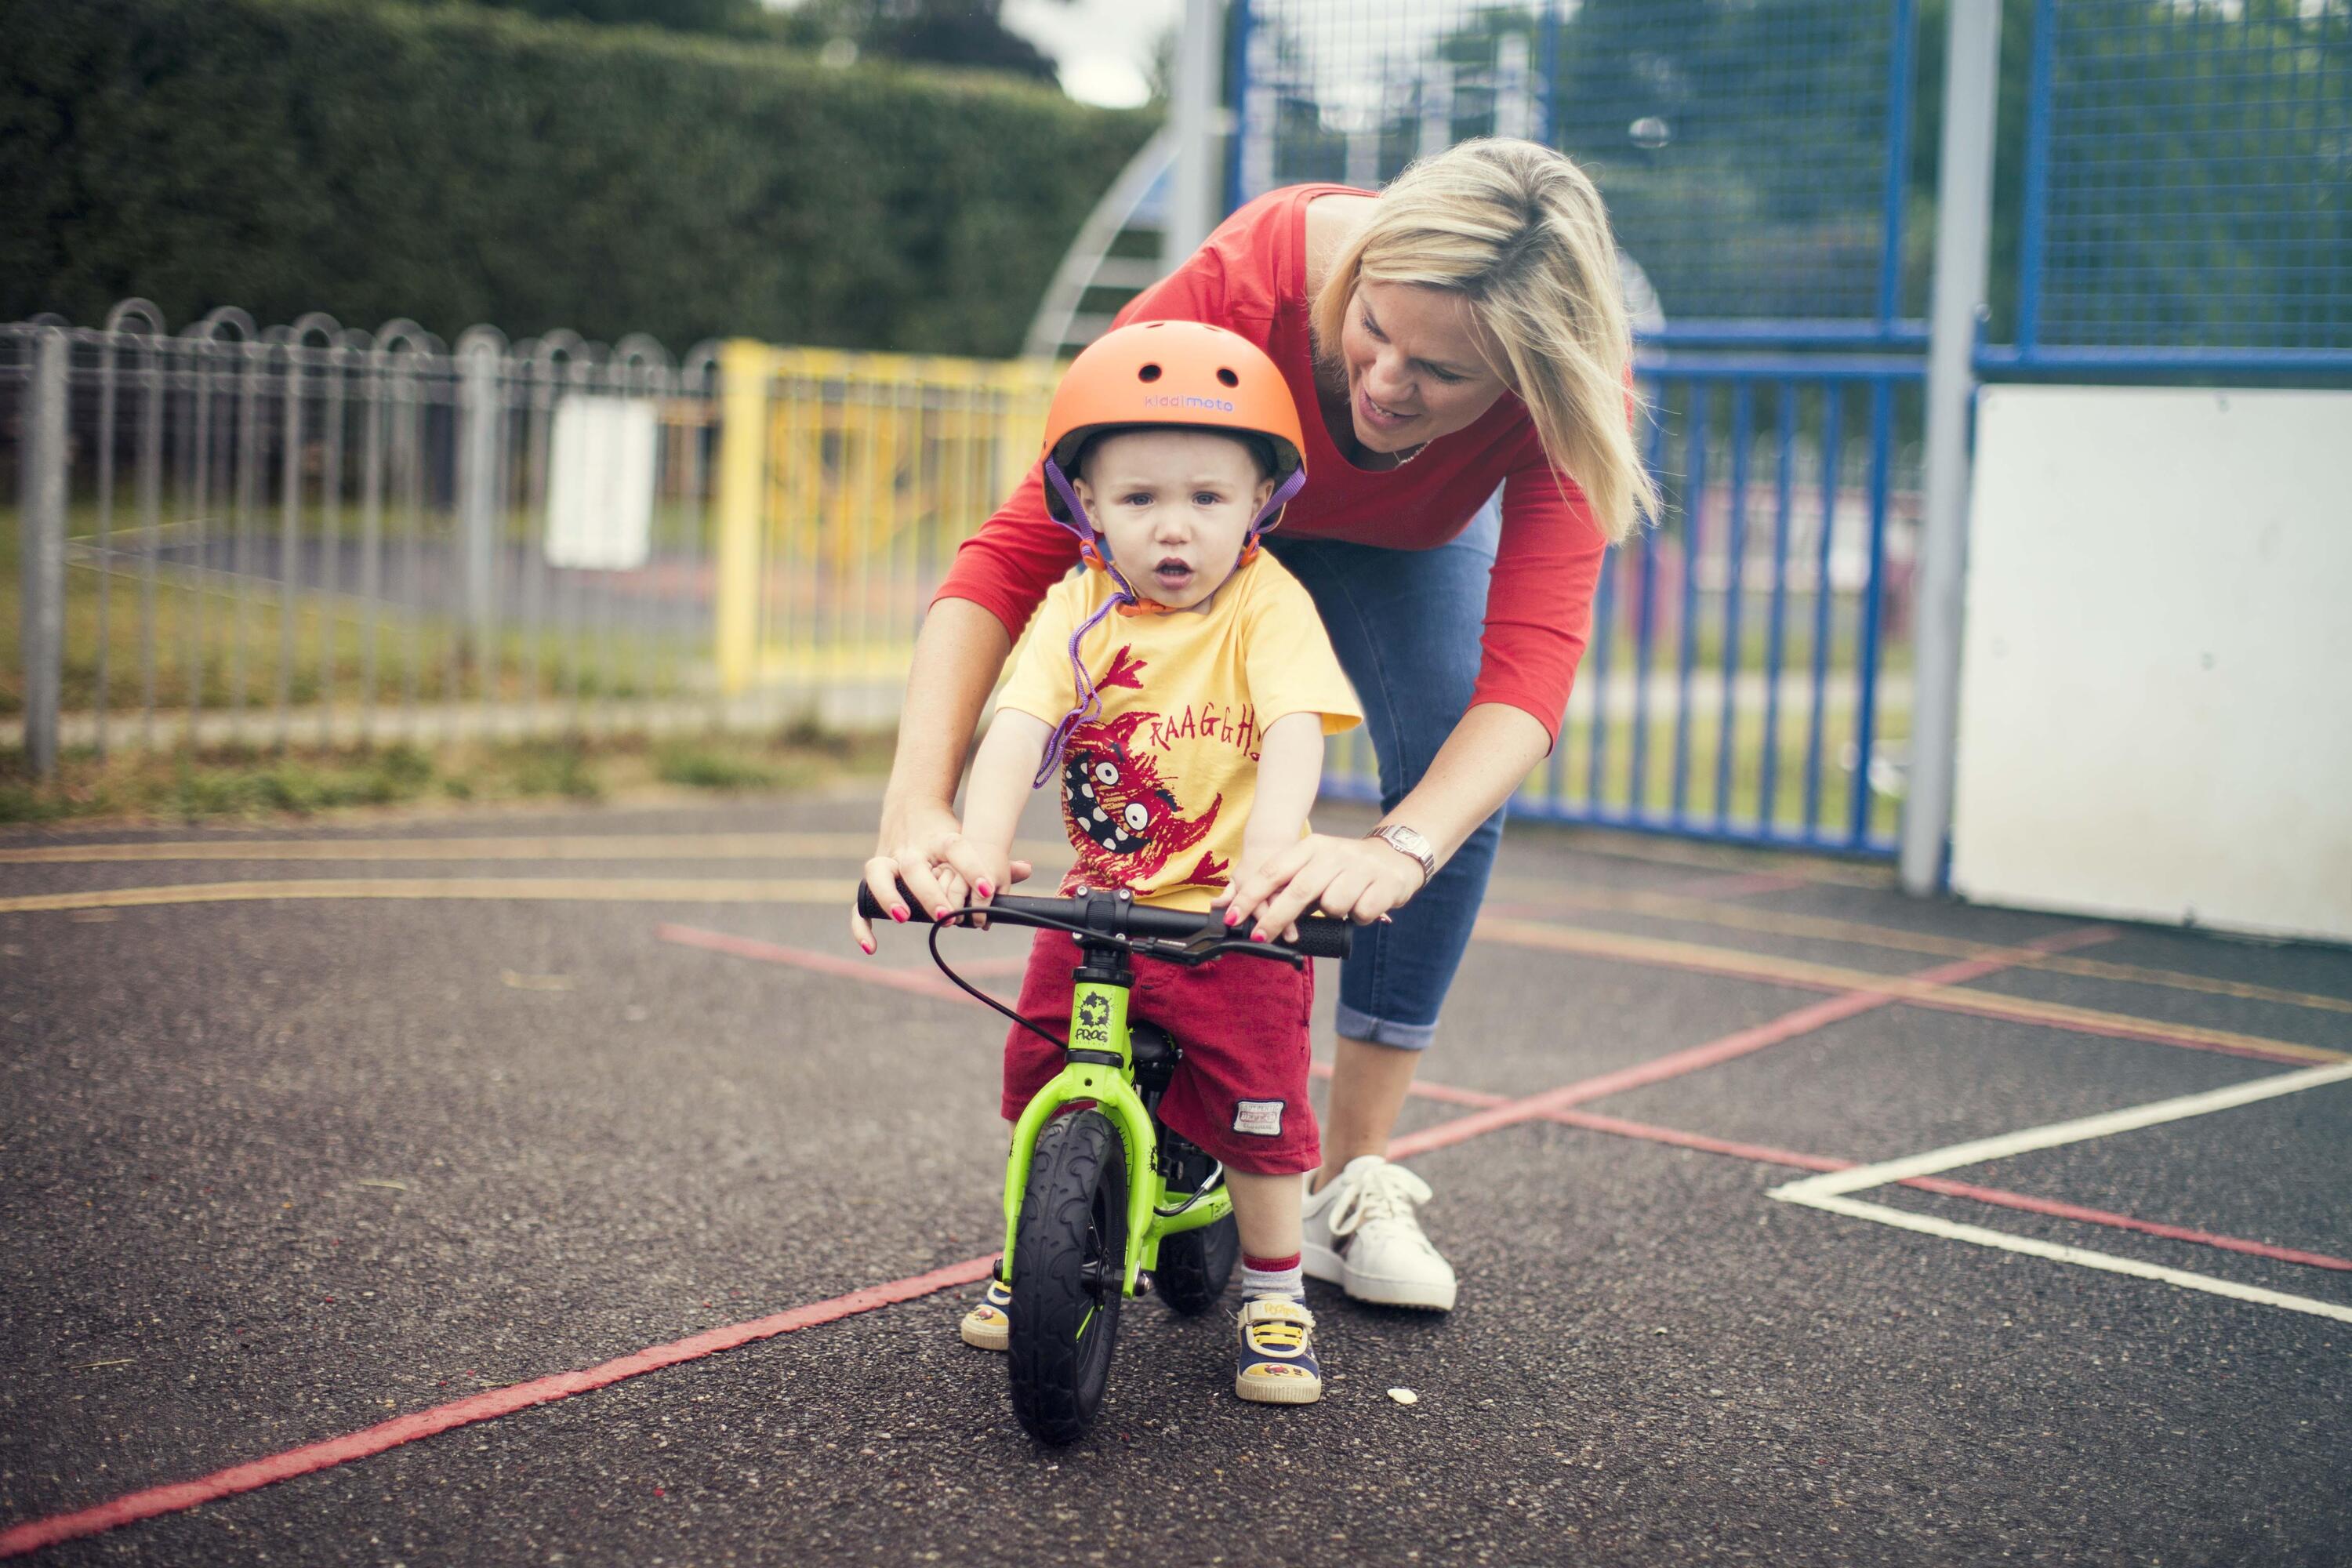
(1194, 1265)
(1069, 1260)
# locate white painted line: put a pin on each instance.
(1927, 1224)
(1981, 1150)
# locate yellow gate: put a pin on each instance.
(845, 482)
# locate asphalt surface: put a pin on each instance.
(273, 1172)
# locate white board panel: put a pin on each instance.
(599, 497)
(2155, 712)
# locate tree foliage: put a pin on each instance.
(458, 165)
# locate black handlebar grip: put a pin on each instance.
(871, 907)
(1320, 938)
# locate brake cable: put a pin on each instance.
(1051, 922)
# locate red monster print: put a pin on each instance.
(1122, 818)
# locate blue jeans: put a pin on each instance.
(1405, 624)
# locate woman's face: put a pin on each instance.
(1415, 371)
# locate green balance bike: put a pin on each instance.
(1101, 1201)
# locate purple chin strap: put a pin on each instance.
(1075, 518)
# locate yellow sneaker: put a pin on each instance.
(1278, 1364)
(987, 1326)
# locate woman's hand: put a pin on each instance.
(924, 847)
(1361, 880)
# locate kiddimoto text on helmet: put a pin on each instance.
(1171, 400)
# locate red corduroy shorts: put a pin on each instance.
(1240, 1090)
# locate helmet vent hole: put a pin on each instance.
(1229, 378)
(1149, 373)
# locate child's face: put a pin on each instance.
(1176, 505)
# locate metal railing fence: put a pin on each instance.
(324, 537)
(847, 481)
(1753, 156)
(317, 533)
(1746, 674)
(2187, 200)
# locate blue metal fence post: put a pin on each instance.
(1900, 54)
(2037, 174)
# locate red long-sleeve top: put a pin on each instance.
(1251, 277)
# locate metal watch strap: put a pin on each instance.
(1406, 841)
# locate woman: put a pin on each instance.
(1463, 330)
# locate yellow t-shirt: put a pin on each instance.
(1157, 788)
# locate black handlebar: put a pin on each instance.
(1117, 915)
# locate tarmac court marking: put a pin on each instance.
(1917, 990)
(853, 846)
(1789, 1028)
(1554, 1105)
(1532, 898)
(176, 1497)
(1832, 1190)
(1703, 901)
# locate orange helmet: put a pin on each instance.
(1171, 372)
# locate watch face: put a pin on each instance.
(1408, 841)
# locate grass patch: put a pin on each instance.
(248, 784)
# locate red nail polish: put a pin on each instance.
(985, 891)
(1233, 917)
(868, 947)
(1259, 936)
(942, 912)
(899, 913)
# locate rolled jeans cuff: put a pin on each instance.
(1356, 1026)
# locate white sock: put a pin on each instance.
(1272, 1277)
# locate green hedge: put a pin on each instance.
(460, 166)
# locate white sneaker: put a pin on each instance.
(1361, 1236)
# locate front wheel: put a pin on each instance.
(1069, 1260)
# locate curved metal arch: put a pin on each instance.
(481, 339)
(643, 362)
(208, 330)
(401, 334)
(1083, 263)
(319, 321)
(144, 310)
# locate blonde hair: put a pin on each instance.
(1520, 232)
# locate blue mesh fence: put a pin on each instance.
(2188, 178)
(1752, 153)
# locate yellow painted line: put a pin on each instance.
(605, 847)
(1772, 970)
(563, 889)
(1785, 922)
(1589, 943)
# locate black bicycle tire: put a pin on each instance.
(1196, 1265)
(1059, 1351)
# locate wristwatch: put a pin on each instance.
(1406, 841)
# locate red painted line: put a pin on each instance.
(1758, 1153)
(1740, 1042)
(180, 1496)
(2152, 1033)
(1741, 885)
(2001, 1197)
(919, 984)
(2052, 1206)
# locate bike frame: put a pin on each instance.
(1099, 1066)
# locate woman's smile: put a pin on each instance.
(1415, 367)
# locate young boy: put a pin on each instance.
(1177, 689)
